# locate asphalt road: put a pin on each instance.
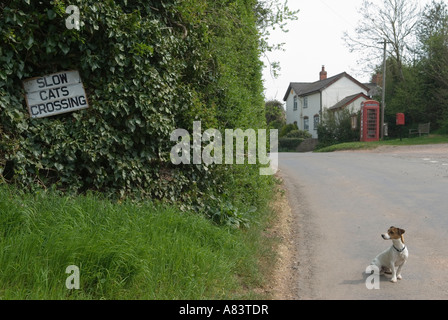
(343, 201)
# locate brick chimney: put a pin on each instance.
(377, 79)
(323, 74)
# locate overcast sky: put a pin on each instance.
(314, 40)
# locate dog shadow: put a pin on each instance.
(364, 279)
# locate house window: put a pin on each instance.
(316, 121)
(295, 103)
(306, 124)
(305, 102)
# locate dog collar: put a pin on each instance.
(399, 249)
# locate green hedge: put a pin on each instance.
(148, 67)
(289, 144)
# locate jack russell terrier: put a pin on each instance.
(394, 257)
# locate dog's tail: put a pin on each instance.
(372, 269)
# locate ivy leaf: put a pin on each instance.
(29, 42)
(51, 14)
(64, 48)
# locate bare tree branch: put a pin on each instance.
(395, 22)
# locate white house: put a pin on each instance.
(352, 103)
(305, 102)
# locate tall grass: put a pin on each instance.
(123, 250)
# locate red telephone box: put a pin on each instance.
(370, 121)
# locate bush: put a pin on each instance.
(336, 128)
(277, 124)
(443, 129)
(287, 129)
(148, 67)
(299, 134)
(289, 144)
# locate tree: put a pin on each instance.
(394, 22)
(433, 61)
(433, 37)
(275, 114)
(272, 14)
(408, 97)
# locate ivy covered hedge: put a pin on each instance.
(148, 67)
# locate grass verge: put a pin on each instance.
(123, 250)
(431, 139)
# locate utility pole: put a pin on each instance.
(383, 102)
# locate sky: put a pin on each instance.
(314, 40)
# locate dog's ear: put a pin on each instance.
(400, 232)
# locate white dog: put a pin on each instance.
(392, 260)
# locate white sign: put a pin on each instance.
(55, 94)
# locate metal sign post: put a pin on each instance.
(383, 102)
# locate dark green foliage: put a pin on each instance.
(287, 129)
(289, 144)
(275, 114)
(148, 67)
(422, 93)
(303, 134)
(336, 127)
